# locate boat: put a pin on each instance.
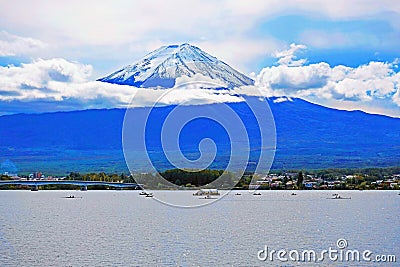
(208, 197)
(238, 194)
(146, 194)
(337, 196)
(205, 192)
(294, 194)
(256, 194)
(72, 197)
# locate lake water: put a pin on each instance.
(121, 228)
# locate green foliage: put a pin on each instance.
(100, 177)
(5, 177)
(74, 176)
(300, 179)
(197, 178)
(370, 174)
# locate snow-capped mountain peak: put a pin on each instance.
(161, 67)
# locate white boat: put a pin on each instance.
(337, 196)
(207, 192)
(208, 197)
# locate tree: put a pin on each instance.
(300, 179)
(74, 176)
(103, 177)
(123, 177)
(5, 177)
(363, 185)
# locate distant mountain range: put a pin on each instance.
(308, 135)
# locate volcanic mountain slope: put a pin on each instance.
(161, 67)
(308, 136)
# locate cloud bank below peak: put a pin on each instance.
(61, 85)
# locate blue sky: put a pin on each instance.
(51, 54)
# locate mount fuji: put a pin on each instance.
(308, 135)
(163, 66)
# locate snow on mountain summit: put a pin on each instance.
(161, 67)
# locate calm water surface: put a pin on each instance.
(121, 228)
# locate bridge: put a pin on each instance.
(34, 184)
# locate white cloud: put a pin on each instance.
(175, 96)
(58, 84)
(13, 45)
(116, 30)
(396, 97)
(373, 87)
(282, 99)
(288, 57)
(111, 22)
(53, 80)
(293, 78)
(38, 78)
